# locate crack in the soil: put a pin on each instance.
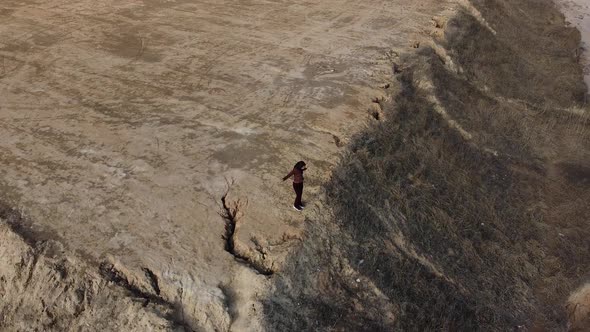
(153, 279)
(230, 215)
(35, 259)
(231, 222)
(22, 227)
(112, 274)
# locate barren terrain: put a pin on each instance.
(122, 121)
(143, 142)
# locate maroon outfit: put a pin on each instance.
(297, 185)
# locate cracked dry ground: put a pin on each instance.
(121, 123)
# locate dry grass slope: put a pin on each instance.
(433, 229)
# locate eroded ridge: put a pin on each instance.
(63, 291)
(231, 213)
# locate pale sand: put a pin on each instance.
(577, 12)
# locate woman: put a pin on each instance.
(297, 174)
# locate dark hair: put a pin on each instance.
(300, 165)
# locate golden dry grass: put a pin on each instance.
(486, 231)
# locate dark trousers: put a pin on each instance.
(298, 187)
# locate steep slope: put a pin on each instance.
(465, 207)
(45, 287)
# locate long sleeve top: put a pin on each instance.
(297, 175)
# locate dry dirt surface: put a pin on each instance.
(577, 13)
(122, 123)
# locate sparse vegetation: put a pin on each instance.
(444, 232)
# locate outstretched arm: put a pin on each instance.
(288, 175)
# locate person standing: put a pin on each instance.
(297, 174)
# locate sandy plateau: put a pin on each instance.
(121, 123)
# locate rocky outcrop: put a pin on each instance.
(53, 290)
